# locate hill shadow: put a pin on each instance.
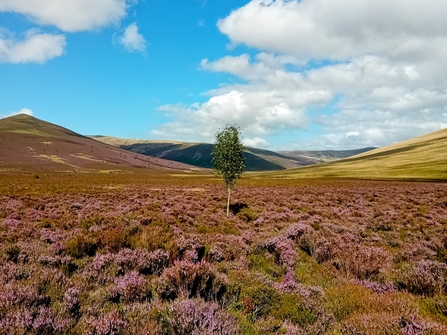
(200, 155)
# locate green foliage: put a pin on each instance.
(434, 307)
(265, 263)
(292, 308)
(247, 214)
(81, 246)
(227, 155)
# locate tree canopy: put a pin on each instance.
(227, 157)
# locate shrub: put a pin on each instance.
(141, 260)
(155, 237)
(81, 246)
(248, 215)
(71, 300)
(373, 324)
(376, 287)
(386, 323)
(264, 263)
(107, 324)
(292, 308)
(361, 261)
(216, 254)
(297, 230)
(259, 300)
(345, 300)
(12, 253)
(195, 317)
(113, 240)
(127, 260)
(319, 247)
(188, 280)
(282, 248)
(425, 278)
(24, 311)
(130, 287)
(290, 285)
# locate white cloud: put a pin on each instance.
(131, 40)
(365, 73)
(26, 111)
(256, 112)
(341, 29)
(255, 142)
(34, 48)
(70, 15)
(380, 102)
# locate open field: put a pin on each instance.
(147, 252)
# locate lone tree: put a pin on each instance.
(227, 158)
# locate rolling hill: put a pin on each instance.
(423, 157)
(26, 141)
(199, 154)
(325, 155)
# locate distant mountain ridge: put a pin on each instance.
(325, 155)
(199, 154)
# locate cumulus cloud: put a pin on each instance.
(341, 29)
(364, 73)
(26, 111)
(255, 142)
(258, 113)
(131, 40)
(35, 47)
(70, 15)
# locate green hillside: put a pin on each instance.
(423, 157)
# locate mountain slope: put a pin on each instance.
(423, 157)
(26, 141)
(199, 154)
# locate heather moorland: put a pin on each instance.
(154, 253)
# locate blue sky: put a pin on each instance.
(368, 75)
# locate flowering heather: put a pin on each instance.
(188, 280)
(126, 260)
(283, 249)
(11, 223)
(107, 324)
(23, 310)
(12, 205)
(426, 278)
(362, 261)
(131, 286)
(115, 254)
(196, 317)
(71, 299)
(376, 287)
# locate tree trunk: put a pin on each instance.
(228, 201)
